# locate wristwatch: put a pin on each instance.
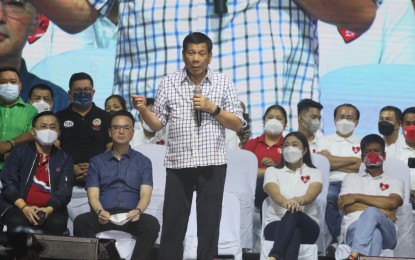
(99, 211)
(217, 111)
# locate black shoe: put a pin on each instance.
(331, 249)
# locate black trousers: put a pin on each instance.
(293, 229)
(209, 183)
(55, 224)
(145, 230)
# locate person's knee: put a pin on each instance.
(371, 211)
(154, 225)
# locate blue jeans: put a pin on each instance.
(371, 233)
(333, 216)
(288, 233)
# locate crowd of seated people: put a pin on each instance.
(62, 156)
(63, 144)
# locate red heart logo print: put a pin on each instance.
(384, 186)
(356, 149)
(305, 179)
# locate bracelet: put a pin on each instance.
(23, 207)
(139, 211)
(13, 144)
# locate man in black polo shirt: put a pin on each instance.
(84, 134)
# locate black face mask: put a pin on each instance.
(385, 128)
(112, 112)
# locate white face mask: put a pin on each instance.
(345, 126)
(9, 92)
(311, 124)
(147, 127)
(46, 136)
(292, 154)
(41, 106)
(273, 127)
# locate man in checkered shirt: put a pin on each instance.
(270, 48)
(196, 156)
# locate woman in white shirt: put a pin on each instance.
(293, 186)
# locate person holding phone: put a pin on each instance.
(37, 181)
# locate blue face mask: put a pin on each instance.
(82, 99)
(9, 92)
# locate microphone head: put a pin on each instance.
(198, 90)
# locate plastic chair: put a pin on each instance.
(229, 235)
(307, 252)
(241, 181)
(323, 164)
(156, 154)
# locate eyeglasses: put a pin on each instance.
(85, 90)
(119, 127)
(15, 8)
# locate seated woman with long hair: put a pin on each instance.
(293, 187)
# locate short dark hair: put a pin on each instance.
(278, 107)
(80, 76)
(3, 69)
(119, 98)
(306, 157)
(370, 139)
(196, 38)
(44, 113)
(123, 113)
(409, 110)
(41, 87)
(395, 110)
(306, 104)
(347, 105)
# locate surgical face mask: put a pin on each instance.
(273, 127)
(112, 112)
(345, 126)
(9, 92)
(385, 128)
(41, 106)
(311, 124)
(409, 132)
(147, 127)
(46, 136)
(292, 154)
(373, 160)
(82, 99)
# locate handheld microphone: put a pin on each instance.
(198, 112)
(221, 6)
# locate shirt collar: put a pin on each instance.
(19, 102)
(351, 139)
(184, 76)
(261, 139)
(379, 177)
(288, 170)
(111, 156)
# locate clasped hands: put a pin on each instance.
(293, 204)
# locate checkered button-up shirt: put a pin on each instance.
(189, 145)
(270, 48)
